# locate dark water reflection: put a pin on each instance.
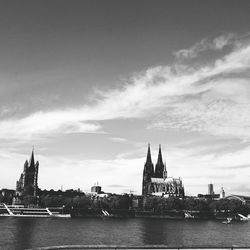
(24, 228)
(153, 231)
(22, 233)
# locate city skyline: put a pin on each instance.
(89, 84)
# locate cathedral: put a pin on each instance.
(156, 181)
(27, 184)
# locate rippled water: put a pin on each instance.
(21, 233)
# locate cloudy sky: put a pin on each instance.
(90, 83)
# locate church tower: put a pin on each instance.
(148, 173)
(27, 184)
(165, 172)
(31, 174)
(159, 167)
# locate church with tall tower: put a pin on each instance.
(27, 183)
(156, 180)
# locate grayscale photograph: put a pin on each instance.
(124, 124)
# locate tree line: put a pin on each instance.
(78, 200)
(149, 203)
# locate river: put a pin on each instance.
(22, 233)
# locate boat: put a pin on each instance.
(188, 215)
(227, 221)
(105, 213)
(244, 218)
(22, 211)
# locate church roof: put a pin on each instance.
(167, 180)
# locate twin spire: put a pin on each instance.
(149, 160)
(160, 167)
(32, 160)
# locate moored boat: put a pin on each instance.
(188, 215)
(22, 211)
(227, 221)
(243, 218)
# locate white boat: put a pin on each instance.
(228, 221)
(188, 216)
(243, 218)
(106, 213)
(21, 211)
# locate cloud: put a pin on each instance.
(212, 98)
(118, 139)
(90, 172)
(44, 124)
(237, 167)
(116, 186)
(227, 170)
(242, 189)
(218, 43)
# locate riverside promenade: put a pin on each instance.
(124, 247)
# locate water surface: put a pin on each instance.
(22, 233)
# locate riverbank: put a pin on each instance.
(168, 214)
(124, 247)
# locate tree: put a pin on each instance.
(196, 204)
(29, 200)
(82, 202)
(52, 201)
(150, 203)
(117, 202)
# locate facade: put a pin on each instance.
(211, 195)
(7, 192)
(156, 181)
(27, 183)
(96, 189)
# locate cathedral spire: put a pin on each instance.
(159, 167)
(160, 156)
(165, 172)
(32, 160)
(149, 160)
(148, 173)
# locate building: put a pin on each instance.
(156, 181)
(210, 189)
(96, 189)
(7, 192)
(211, 195)
(7, 195)
(27, 183)
(222, 193)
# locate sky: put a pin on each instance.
(90, 83)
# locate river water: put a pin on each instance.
(22, 233)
